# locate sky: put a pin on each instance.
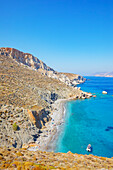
(68, 35)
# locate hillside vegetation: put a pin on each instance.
(28, 88)
(38, 160)
(26, 98)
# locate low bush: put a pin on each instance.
(15, 126)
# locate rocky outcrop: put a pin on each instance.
(74, 78)
(31, 116)
(26, 59)
(26, 131)
(37, 65)
(28, 121)
(39, 118)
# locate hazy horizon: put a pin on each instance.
(69, 36)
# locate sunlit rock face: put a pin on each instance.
(27, 94)
(36, 64)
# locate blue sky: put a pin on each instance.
(68, 35)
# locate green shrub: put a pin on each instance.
(15, 126)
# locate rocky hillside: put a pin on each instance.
(26, 98)
(27, 95)
(25, 87)
(36, 64)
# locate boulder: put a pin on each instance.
(31, 116)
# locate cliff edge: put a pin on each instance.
(27, 95)
(36, 64)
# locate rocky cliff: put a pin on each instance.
(36, 64)
(26, 96)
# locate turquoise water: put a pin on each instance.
(89, 121)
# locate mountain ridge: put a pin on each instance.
(104, 74)
(37, 65)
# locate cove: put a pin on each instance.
(89, 121)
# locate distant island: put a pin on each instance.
(104, 74)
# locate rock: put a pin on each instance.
(45, 119)
(9, 137)
(89, 94)
(54, 96)
(83, 97)
(25, 146)
(31, 116)
(79, 88)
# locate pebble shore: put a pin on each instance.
(51, 130)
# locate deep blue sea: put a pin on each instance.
(89, 121)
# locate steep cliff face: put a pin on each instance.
(28, 88)
(36, 64)
(26, 98)
(26, 58)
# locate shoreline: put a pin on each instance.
(50, 132)
(59, 117)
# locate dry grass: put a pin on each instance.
(21, 86)
(24, 159)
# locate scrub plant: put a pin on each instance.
(15, 126)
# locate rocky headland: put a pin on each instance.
(29, 89)
(31, 108)
(28, 94)
(35, 64)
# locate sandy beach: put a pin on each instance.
(49, 134)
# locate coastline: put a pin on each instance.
(50, 132)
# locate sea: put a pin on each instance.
(89, 121)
